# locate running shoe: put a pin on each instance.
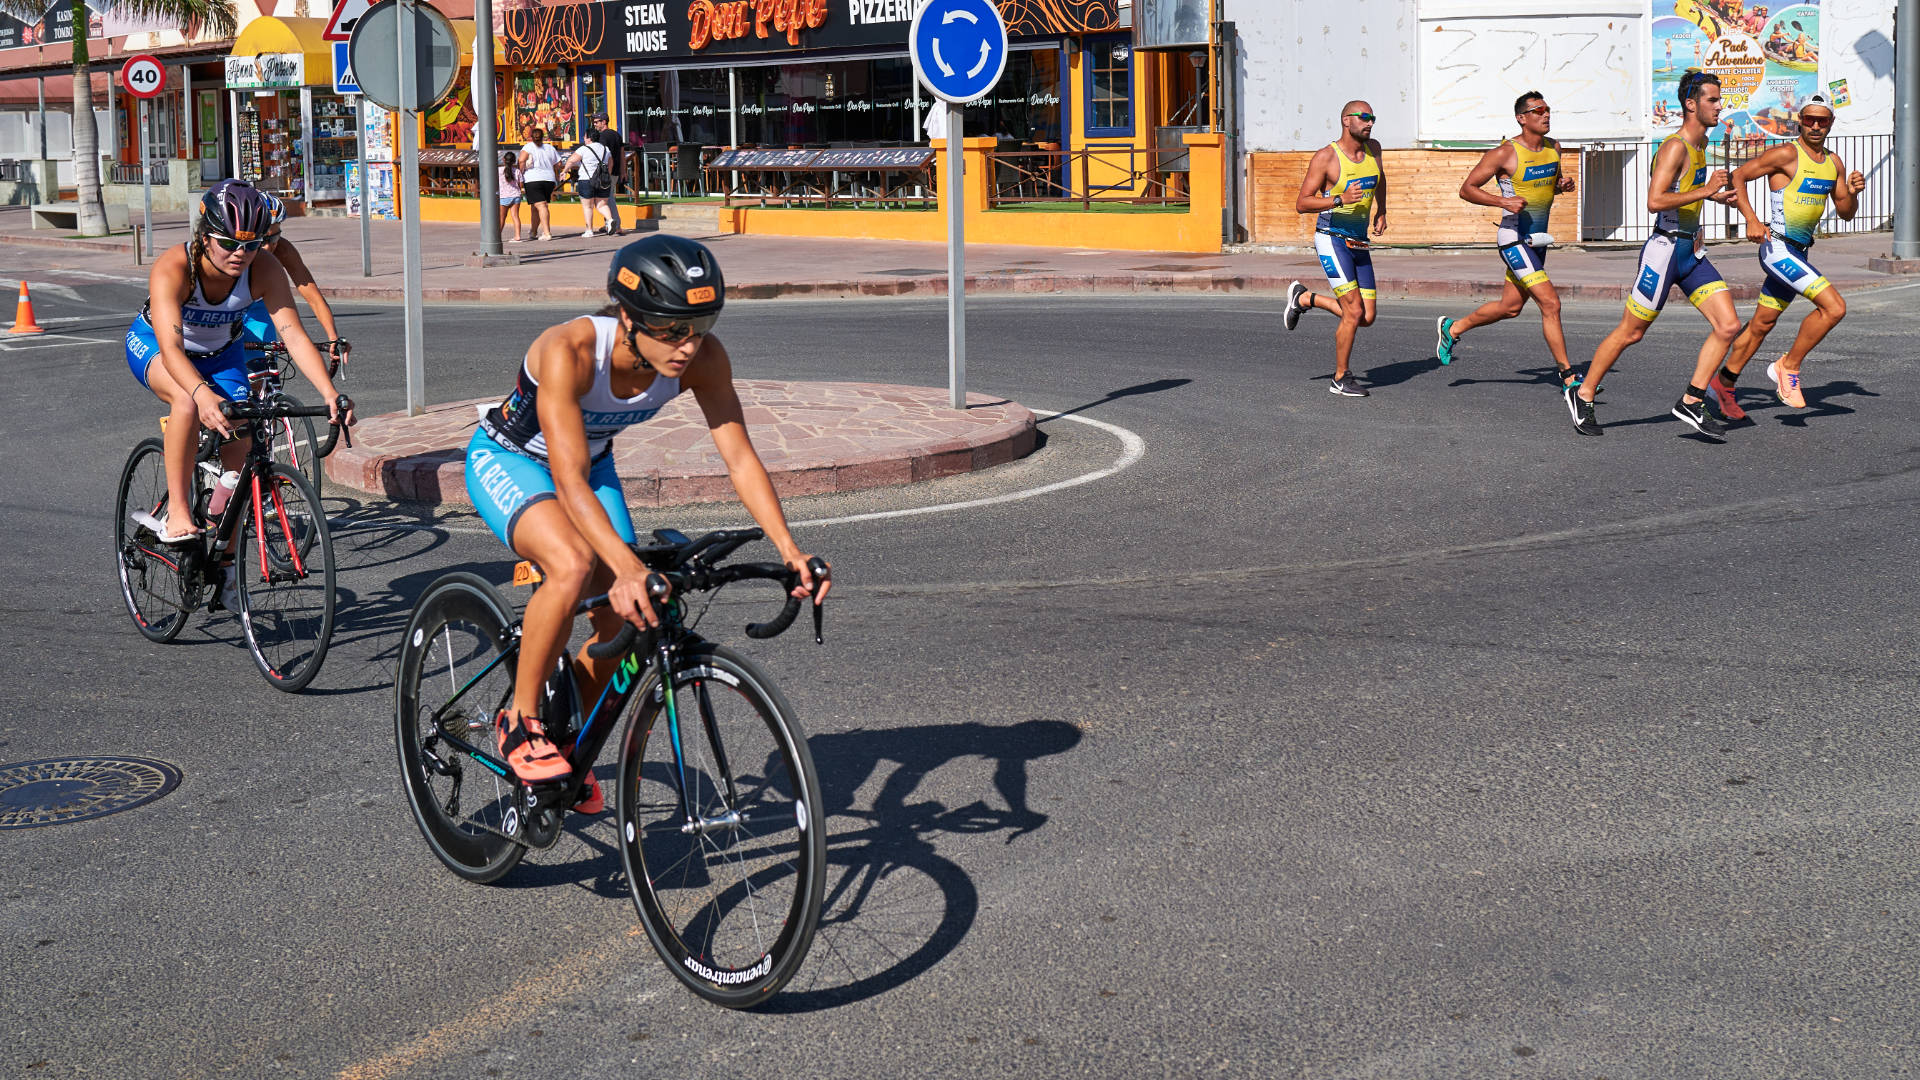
(1584, 420)
(531, 755)
(1699, 419)
(1347, 386)
(1291, 318)
(1443, 342)
(1721, 391)
(591, 801)
(1786, 386)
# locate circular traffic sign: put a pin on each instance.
(374, 55)
(142, 76)
(959, 48)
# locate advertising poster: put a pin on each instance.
(1767, 57)
(374, 120)
(451, 120)
(379, 190)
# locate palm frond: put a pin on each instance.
(216, 16)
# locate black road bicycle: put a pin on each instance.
(293, 440)
(719, 812)
(280, 546)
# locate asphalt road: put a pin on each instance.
(1413, 736)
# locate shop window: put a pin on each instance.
(1109, 65)
(593, 97)
(1024, 106)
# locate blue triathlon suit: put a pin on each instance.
(212, 336)
(507, 468)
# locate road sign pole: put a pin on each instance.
(146, 177)
(486, 139)
(360, 114)
(408, 176)
(956, 258)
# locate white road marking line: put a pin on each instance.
(47, 341)
(1133, 448)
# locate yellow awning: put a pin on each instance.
(269, 35)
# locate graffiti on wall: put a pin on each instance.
(1473, 68)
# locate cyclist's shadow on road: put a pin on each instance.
(895, 907)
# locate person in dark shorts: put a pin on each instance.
(609, 138)
(539, 165)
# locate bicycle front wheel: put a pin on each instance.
(150, 579)
(285, 562)
(730, 898)
(296, 446)
(456, 671)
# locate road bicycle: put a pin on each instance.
(272, 528)
(293, 440)
(719, 811)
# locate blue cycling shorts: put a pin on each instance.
(1347, 268)
(257, 326)
(1790, 273)
(1667, 261)
(503, 482)
(226, 369)
(1526, 264)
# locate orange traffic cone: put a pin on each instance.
(23, 315)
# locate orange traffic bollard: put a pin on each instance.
(23, 315)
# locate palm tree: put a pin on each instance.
(214, 15)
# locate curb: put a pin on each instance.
(438, 475)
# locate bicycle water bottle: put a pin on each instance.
(222, 493)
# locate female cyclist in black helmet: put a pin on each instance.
(185, 345)
(540, 468)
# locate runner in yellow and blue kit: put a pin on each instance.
(1672, 256)
(1801, 176)
(1528, 169)
(1343, 185)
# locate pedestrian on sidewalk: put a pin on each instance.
(510, 195)
(1801, 176)
(1527, 168)
(1344, 182)
(588, 165)
(538, 164)
(1674, 255)
(607, 137)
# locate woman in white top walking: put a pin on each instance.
(593, 182)
(538, 162)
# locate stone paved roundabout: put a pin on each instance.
(815, 438)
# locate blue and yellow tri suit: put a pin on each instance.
(1536, 173)
(1340, 234)
(1668, 257)
(1796, 210)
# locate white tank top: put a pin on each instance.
(207, 328)
(515, 422)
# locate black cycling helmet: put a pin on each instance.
(660, 277)
(235, 208)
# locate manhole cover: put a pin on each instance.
(53, 792)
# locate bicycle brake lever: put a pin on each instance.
(818, 568)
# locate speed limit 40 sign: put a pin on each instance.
(143, 77)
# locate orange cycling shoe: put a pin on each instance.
(591, 801)
(531, 755)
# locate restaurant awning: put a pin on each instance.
(276, 52)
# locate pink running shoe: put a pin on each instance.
(1786, 385)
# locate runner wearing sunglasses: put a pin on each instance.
(540, 468)
(1801, 177)
(186, 344)
(1527, 170)
(1343, 184)
(258, 327)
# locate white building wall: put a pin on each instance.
(1586, 56)
(1300, 62)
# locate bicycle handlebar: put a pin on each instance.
(695, 575)
(247, 410)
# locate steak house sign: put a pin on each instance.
(682, 29)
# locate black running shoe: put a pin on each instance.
(1699, 419)
(1347, 386)
(1582, 411)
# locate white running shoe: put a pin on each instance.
(1291, 318)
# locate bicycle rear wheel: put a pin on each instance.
(296, 446)
(459, 644)
(151, 582)
(286, 594)
(731, 904)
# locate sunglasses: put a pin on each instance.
(1816, 121)
(228, 243)
(1543, 110)
(1363, 117)
(675, 331)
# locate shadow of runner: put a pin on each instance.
(1820, 401)
(1154, 387)
(1395, 373)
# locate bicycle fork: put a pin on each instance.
(691, 823)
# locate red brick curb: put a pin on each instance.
(815, 439)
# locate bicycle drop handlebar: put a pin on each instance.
(697, 576)
(247, 410)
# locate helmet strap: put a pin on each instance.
(633, 344)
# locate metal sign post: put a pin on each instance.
(425, 53)
(366, 230)
(143, 77)
(959, 50)
(146, 179)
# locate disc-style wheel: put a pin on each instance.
(730, 899)
(285, 562)
(456, 673)
(150, 579)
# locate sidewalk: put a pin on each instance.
(571, 269)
